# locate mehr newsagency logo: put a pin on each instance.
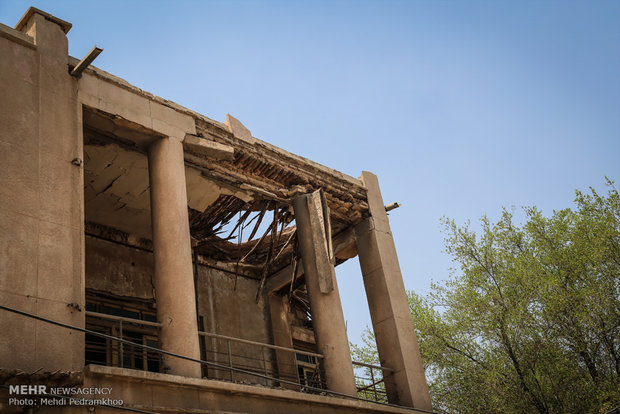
(30, 395)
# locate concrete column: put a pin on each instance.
(174, 278)
(389, 310)
(327, 317)
(281, 328)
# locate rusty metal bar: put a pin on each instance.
(245, 341)
(363, 364)
(120, 332)
(264, 360)
(230, 362)
(84, 63)
(122, 318)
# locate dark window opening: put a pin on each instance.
(105, 351)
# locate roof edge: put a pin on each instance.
(64, 25)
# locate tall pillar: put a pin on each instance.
(327, 317)
(389, 310)
(281, 328)
(174, 278)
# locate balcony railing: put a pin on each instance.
(104, 351)
(234, 359)
(259, 357)
(369, 380)
(231, 355)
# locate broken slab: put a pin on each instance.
(239, 130)
(210, 149)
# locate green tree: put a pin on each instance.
(530, 320)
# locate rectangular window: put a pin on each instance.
(131, 320)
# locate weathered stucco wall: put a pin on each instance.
(41, 225)
(228, 307)
(118, 269)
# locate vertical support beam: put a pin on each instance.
(282, 336)
(389, 310)
(327, 317)
(174, 278)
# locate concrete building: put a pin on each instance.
(123, 215)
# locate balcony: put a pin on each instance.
(224, 358)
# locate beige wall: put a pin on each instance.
(118, 269)
(41, 217)
(228, 307)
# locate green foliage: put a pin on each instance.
(531, 321)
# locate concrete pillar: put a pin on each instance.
(389, 310)
(282, 336)
(174, 277)
(327, 317)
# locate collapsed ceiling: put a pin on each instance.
(239, 206)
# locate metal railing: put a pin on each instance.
(230, 354)
(260, 357)
(118, 354)
(369, 380)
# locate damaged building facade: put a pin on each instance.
(177, 260)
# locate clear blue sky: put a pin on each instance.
(460, 107)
